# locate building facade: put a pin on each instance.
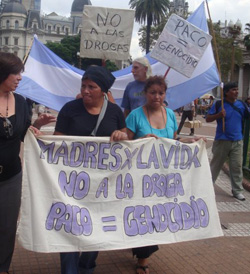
(20, 20)
(179, 7)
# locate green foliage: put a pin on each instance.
(67, 49)
(247, 42)
(247, 28)
(111, 66)
(225, 50)
(247, 37)
(60, 50)
(154, 35)
(145, 9)
(151, 12)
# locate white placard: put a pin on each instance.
(181, 45)
(85, 193)
(106, 33)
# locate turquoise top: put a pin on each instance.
(138, 123)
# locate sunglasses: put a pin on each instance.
(8, 127)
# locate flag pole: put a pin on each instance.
(28, 52)
(166, 73)
(217, 63)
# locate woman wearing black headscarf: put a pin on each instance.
(91, 115)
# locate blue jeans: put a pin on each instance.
(74, 263)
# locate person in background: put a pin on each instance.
(80, 118)
(188, 112)
(40, 109)
(196, 103)
(133, 94)
(179, 111)
(211, 102)
(15, 119)
(203, 106)
(247, 101)
(153, 119)
(208, 106)
(228, 143)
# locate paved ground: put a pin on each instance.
(224, 255)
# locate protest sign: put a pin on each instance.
(181, 45)
(106, 33)
(85, 193)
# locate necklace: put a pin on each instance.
(8, 127)
(163, 118)
(7, 108)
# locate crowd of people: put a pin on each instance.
(145, 115)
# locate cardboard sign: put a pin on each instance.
(85, 193)
(106, 33)
(181, 45)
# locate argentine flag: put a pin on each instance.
(50, 81)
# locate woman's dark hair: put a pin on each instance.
(9, 64)
(155, 80)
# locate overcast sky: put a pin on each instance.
(219, 10)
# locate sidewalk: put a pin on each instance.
(225, 255)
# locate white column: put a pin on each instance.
(240, 82)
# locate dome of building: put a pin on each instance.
(78, 5)
(14, 7)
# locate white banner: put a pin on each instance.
(85, 193)
(181, 45)
(106, 33)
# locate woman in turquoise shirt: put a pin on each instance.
(152, 120)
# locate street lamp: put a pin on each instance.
(234, 30)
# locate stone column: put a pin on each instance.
(240, 82)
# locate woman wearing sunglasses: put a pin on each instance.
(14, 122)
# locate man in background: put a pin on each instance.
(133, 95)
(228, 143)
(188, 112)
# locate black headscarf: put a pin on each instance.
(101, 76)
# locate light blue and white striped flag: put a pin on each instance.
(52, 82)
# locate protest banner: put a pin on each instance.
(107, 33)
(85, 193)
(181, 45)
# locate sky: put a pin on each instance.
(219, 10)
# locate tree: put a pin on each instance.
(247, 37)
(247, 28)
(111, 66)
(68, 48)
(154, 35)
(151, 12)
(247, 42)
(60, 50)
(225, 48)
(155, 32)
